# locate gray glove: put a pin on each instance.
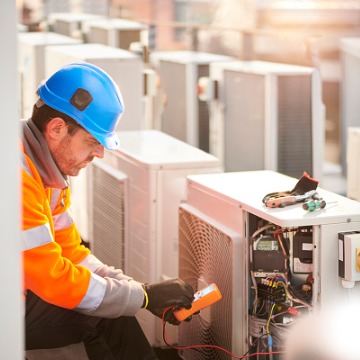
(169, 293)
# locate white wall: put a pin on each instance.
(11, 314)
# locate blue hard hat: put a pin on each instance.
(88, 95)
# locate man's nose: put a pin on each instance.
(99, 151)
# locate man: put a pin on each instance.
(71, 297)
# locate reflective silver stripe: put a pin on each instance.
(91, 262)
(62, 220)
(55, 195)
(94, 295)
(36, 237)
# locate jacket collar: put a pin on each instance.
(38, 151)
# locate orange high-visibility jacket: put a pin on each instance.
(56, 266)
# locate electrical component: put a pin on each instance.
(349, 249)
(303, 252)
(267, 256)
(202, 298)
(271, 293)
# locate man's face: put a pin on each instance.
(74, 152)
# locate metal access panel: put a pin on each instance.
(123, 66)
(32, 63)
(119, 33)
(272, 117)
(184, 117)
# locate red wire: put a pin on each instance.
(186, 347)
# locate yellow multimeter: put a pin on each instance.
(202, 298)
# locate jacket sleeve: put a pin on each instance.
(60, 279)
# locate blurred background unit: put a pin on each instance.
(272, 267)
(119, 33)
(350, 89)
(71, 24)
(183, 115)
(123, 66)
(155, 166)
(267, 116)
(353, 163)
(45, 9)
(32, 63)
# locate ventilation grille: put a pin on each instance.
(108, 214)
(294, 125)
(203, 115)
(206, 255)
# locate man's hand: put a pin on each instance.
(168, 293)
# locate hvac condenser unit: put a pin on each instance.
(32, 63)
(156, 166)
(184, 116)
(350, 87)
(267, 116)
(229, 237)
(71, 24)
(123, 66)
(119, 33)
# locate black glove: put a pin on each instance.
(169, 293)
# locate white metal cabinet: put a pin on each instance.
(231, 203)
(267, 116)
(156, 166)
(184, 116)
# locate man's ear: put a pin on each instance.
(56, 129)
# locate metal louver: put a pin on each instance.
(209, 253)
(108, 214)
(294, 126)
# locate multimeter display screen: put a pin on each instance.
(204, 292)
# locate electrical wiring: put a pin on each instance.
(287, 311)
(269, 319)
(168, 312)
(288, 288)
(276, 304)
(261, 229)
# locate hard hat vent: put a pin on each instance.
(81, 99)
